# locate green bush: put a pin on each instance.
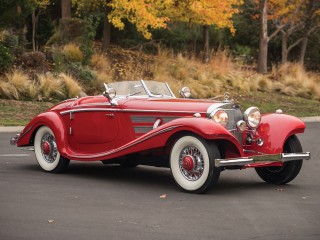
(6, 57)
(81, 73)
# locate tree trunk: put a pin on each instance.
(106, 31)
(205, 43)
(284, 53)
(263, 46)
(33, 31)
(65, 9)
(303, 49)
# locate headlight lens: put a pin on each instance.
(220, 116)
(252, 116)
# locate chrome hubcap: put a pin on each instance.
(191, 163)
(49, 148)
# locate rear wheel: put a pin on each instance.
(47, 153)
(192, 164)
(289, 170)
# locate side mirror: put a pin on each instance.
(110, 93)
(185, 92)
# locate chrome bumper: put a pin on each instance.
(14, 140)
(283, 157)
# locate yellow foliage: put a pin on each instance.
(144, 14)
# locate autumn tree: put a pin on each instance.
(205, 13)
(144, 14)
(270, 10)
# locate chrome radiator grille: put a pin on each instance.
(235, 115)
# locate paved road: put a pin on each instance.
(94, 201)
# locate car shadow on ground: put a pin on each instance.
(153, 177)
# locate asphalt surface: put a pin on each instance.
(96, 201)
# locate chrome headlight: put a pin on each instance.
(252, 116)
(220, 116)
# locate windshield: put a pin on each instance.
(141, 88)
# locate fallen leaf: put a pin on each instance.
(163, 196)
(50, 221)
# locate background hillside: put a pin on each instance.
(263, 51)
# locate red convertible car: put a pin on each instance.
(142, 122)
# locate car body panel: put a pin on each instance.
(94, 128)
(275, 129)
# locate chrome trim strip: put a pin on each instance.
(95, 104)
(122, 110)
(167, 85)
(142, 129)
(151, 119)
(283, 157)
(142, 119)
(146, 88)
(295, 156)
(86, 110)
(139, 140)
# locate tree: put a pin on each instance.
(277, 11)
(65, 22)
(85, 7)
(38, 8)
(205, 13)
(311, 24)
(65, 9)
(144, 14)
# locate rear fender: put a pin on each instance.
(49, 119)
(274, 130)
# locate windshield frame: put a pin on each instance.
(148, 91)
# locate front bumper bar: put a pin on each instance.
(282, 158)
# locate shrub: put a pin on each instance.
(33, 59)
(100, 63)
(49, 87)
(7, 90)
(6, 57)
(82, 73)
(72, 53)
(72, 86)
(19, 80)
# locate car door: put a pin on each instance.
(93, 130)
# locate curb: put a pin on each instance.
(310, 119)
(10, 129)
(4, 129)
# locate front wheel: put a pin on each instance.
(47, 153)
(192, 164)
(289, 170)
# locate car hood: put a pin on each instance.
(173, 105)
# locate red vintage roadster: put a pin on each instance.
(142, 122)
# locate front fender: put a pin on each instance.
(274, 130)
(50, 119)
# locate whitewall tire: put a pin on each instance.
(192, 164)
(46, 151)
